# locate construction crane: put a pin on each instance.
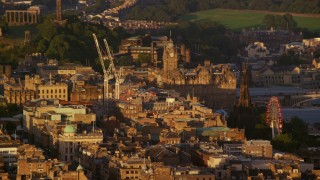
(118, 75)
(106, 73)
(111, 72)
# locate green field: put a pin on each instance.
(239, 19)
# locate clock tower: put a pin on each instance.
(170, 59)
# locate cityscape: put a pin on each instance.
(159, 89)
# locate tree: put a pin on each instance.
(291, 23)
(47, 29)
(3, 25)
(268, 21)
(284, 22)
(59, 46)
(143, 58)
(284, 142)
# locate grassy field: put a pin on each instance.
(239, 19)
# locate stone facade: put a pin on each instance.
(257, 148)
(70, 140)
(213, 84)
(51, 91)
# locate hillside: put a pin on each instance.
(239, 19)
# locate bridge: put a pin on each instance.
(288, 96)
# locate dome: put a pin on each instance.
(69, 129)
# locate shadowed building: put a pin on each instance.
(213, 84)
(244, 100)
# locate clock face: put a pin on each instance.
(171, 54)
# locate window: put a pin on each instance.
(66, 150)
(71, 158)
(66, 158)
(47, 91)
(59, 90)
(71, 150)
(51, 91)
(55, 91)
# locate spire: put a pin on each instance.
(79, 168)
(244, 100)
(188, 97)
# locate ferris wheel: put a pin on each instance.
(274, 116)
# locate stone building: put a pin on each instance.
(257, 148)
(213, 84)
(70, 140)
(270, 38)
(94, 160)
(53, 91)
(130, 109)
(84, 89)
(5, 70)
(257, 50)
(168, 137)
(49, 112)
(32, 164)
(8, 148)
(151, 45)
(127, 167)
(17, 91)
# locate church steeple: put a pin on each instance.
(244, 100)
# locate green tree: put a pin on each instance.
(42, 46)
(143, 58)
(59, 46)
(3, 24)
(284, 22)
(48, 29)
(284, 142)
(269, 21)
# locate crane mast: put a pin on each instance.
(106, 74)
(109, 73)
(118, 75)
